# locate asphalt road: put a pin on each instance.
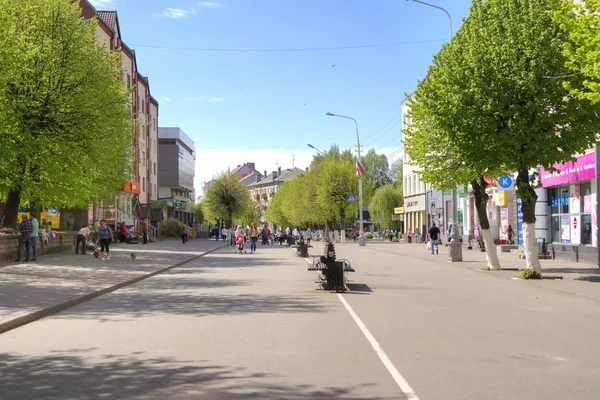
(231, 326)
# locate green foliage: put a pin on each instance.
(368, 235)
(396, 173)
(198, 214)
(496, 268)
(581, 20)
(319, 196)
(170, 228)
(66, 129)
(377, 169)
(529, 273)
(382, 205)
(487, 268)
(227, 199)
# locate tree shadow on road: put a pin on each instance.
(70, 374)
(134, 303)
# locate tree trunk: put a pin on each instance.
(481, 200)
(529, 198)
(11, 218)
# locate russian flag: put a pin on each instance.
(360, 170)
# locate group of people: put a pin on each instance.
(29, 229)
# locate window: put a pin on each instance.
(143, 184)
(143, 107)
(154, 123)
(128, 82)
(144, 158)
(154, 168)
(571, 208)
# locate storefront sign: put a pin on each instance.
(572, 171)
(131, 187)
(399, 210)
(501, 198)
(565, 235)
(414, 203)
(575, 229)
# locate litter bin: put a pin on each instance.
(303, 249)
(362, 241)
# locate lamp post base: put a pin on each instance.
(455, 247)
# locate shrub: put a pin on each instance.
(495, 268)
(368, 235)
(170, 228)
(530, 274)
(486, 268)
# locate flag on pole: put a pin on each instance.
(360, 170)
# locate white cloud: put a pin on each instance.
(162, 53)
(216, 100)
(165, 98)
(177, 12)
(99, 4)
(210, 4)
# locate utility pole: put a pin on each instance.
(293, 161)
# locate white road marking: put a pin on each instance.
(400, 380)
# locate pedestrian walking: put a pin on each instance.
(510, 234)
(34, 235)
(223, 233)
(25, 228)
(183, 233)
(105, 235)
(434, 234)
(409, 236)
(253, 233)
(145, 230)
(82, 237)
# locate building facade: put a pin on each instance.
(176, 163)
(135, 197)
(263, 190)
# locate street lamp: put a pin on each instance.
(313, 147)
(455, 245)
(439, 8)
(360, 197)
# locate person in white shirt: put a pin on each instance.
(224, 233)
(82, 236)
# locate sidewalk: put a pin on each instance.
(26, 287)
(578, 279)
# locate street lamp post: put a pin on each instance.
(360, 197)
(455, 245)
(313, 147)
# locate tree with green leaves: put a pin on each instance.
(66, 129)
(488, 107)
(227, 199)
(334, 181)
(395, 173)
(198, 214)
(377, 169)
(581, 20)
(382, 205)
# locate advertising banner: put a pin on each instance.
(582, 169)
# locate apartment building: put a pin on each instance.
(141, 189)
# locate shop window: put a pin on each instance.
(585, 195)
(586, 229)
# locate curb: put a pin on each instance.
(45, 312)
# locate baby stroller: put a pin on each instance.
(239, 245)
(90, 245)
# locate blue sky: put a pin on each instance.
(266, 106)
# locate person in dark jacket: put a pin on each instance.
(25, 228)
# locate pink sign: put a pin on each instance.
(572, 171)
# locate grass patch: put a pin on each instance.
(486, 268)
(529, 273)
